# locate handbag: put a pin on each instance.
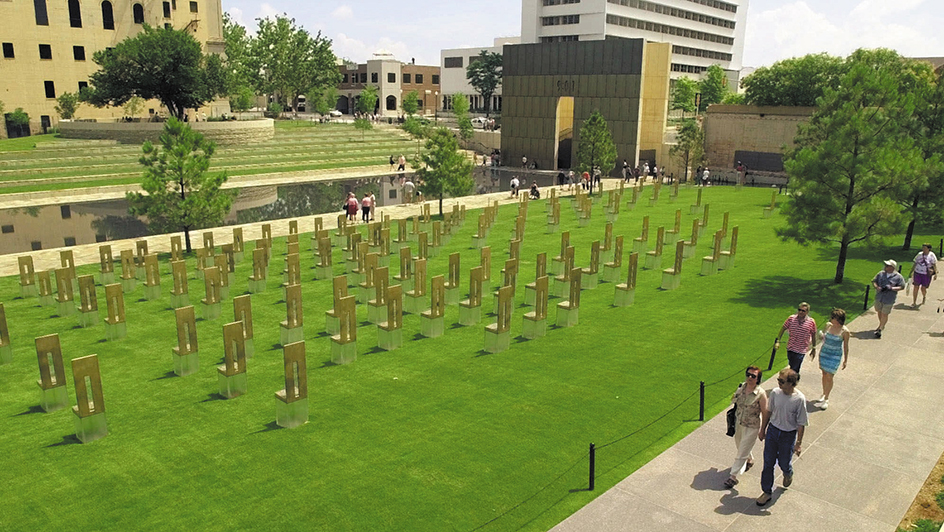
(732, 420)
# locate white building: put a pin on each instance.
(453, 63)
(702, 32)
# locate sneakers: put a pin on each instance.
(749, 466)
(822, 404)
(763, 499)
(787, 480)
(731, 482)
(878, 333)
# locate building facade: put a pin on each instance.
(394, 80)
(552, 88)
(454, 62)
(701, 32)
(47, 46)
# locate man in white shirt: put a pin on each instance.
(781, 430)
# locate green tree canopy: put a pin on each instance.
(165, 64)
(18, 117)
(854, 159)
(68, 104)
(595, 148)
(365, 104)
(238, 59)
(326, 100)
(411, 103)
(713, 87)
(797, 81)
(683, 94)
(443, 169)
(689, 150)
(485, 75)
(179, 194)
(460, 106)
(286, 61)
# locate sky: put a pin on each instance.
(776, 29)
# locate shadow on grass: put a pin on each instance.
(276, 346)
(168, 375)
(483, 353)
(782, 291)
(328, 364)
(269, 427)
(376, 349)
(68, 439)
(418, 336)
(323, 334)
(521, 339)
(213, 397)
(35, 409)
(456, 325)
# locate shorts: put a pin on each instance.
(884, 308)
(922, 279)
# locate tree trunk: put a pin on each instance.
(909, 234)
(187, 238)
(440, 205)
(841, 263)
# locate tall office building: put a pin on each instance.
(47, 46)
(702, 32)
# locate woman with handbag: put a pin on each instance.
(924, 267)
(750, 402)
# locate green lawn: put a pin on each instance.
(435, 436)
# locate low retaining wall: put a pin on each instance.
(232, 132)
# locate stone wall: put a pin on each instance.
(232, 132)
(765, 130)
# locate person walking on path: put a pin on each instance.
(751, 401)
(373, 206)
(924, 267)
(835, 350)
(514, 185)
(781, 430)
(887, 283)
(802, 335)
(351, 207)
(401, 164)
(365, 207)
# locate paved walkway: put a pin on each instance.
(864, 459)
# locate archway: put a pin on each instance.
(391, 103)
(565, 131)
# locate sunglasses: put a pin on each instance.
(751, 375)
(803, 310)
(783, 381)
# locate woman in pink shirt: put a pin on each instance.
(365, 207)
(351, 207)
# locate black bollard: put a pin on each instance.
(940, 248)
(701, 405)
(773, 354)
(593, 462)
(865, 304)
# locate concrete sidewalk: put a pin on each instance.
(864, 459)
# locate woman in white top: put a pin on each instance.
(924, 267)
(751, 401)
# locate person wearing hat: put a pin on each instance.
(887, 283)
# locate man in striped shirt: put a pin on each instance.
(802, 330)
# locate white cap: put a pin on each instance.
(891, 263)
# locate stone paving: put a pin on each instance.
(863, 462)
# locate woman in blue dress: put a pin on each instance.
(835, 350)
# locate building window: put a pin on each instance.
(42, 18)
(69, 241)
(166, 9)
(407, 78)
(78, 53)
(8, 50)
(75, 14)
(345, 78)
(50, 89)
(435, 79)
(83, 85)
(36, 245)
(66, 211)
(363, 77)
(562, 20)
(373, 77)
(137, 11)
(667, 29)
(108, 16)
(193, 7)
(6, 229)
(419, 79)
(391, 77)
(392, 194)
(452, 62)
(45, 51)
(560, 2)
(101, 238)
(168, 26)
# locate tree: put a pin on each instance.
(366, 104)
(852, 160)
(18, 118)
(133, 106)
(238, 60)
(68, 103)
(288, 62)
(683, 94)
(713, 87)
(595, 148)
(443, 169)
(485, 75)
(241, 101)
(411, 103)
(797, 81)
(733, 98)
(690, 147)
(179, 193)
(460, 106)
(1, 108)
(416, 129)
(326, 101)
(165, 64)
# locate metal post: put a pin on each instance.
(701, 405)
(773, 354)
(940, 248)
(593, 459)
(865, 304)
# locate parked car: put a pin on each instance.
(479, 121)
(335, 113)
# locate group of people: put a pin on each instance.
(515, 186)
(643, 169)
(780, 419)
(366, 206)
(400, 162)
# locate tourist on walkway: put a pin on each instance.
(835, 350)
(751, 401)
(561, 177)
(373, 206)
(514, 185)
(351, 207)
(365, 207)
(571, 180)
(802, 330)
(887, 283)
(409, 190)
(781, 430)
(401, 164)
(924, 267)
